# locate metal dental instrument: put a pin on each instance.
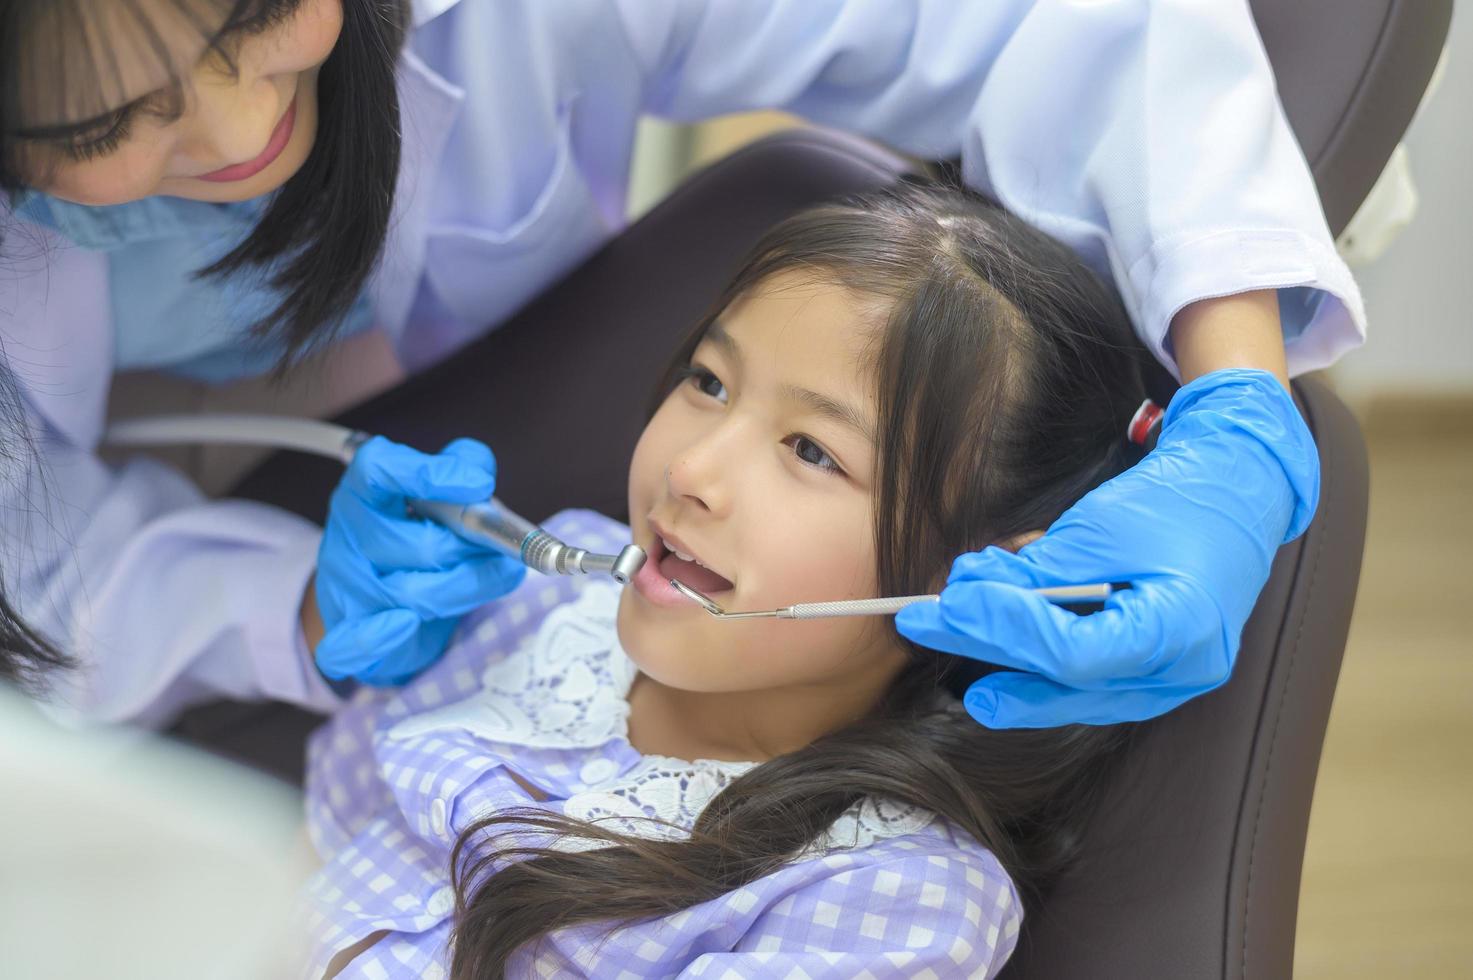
(1059, 594)
(488, 523)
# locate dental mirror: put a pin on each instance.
(1058, 594)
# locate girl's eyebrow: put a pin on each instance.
(819, 404)
(716, 333)
(831, 409)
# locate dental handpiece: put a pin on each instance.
(488, 523)
(491, 523)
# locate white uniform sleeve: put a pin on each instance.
(1147, 134)
(166, 599)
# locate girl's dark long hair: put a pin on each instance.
(321, 235)
(1007, 374)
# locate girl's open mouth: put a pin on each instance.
(687, 569)
(653, 579)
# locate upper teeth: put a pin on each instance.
(680, 554)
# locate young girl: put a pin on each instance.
(619, 785)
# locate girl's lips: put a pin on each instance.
(280, 136)
(652, 581)
(656, 588)
(694, 574)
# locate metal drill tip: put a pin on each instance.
(628, 562)
(696, 597)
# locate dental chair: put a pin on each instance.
(1192, 864)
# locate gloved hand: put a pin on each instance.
(1194, 526)
(390, 586)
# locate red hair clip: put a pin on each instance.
(1144, 423)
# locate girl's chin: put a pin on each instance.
(665, 646)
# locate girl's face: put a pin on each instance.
(759, 465)
(241, 134)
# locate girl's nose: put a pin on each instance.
(233, 117)
(697, 473)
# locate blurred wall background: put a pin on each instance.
(1419, 294)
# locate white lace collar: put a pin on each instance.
(662, 798)
(568, 688)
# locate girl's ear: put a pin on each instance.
(1018, 541)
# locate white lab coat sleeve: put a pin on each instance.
(165, 598)
(1147, 134)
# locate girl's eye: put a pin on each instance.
(705, 382)
(813, 454)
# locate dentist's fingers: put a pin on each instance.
(354, 646)
(1009, 699)
(995, 623)
(413, 542)
(428, 646)
(454, 591)
(1012, 627)
(1043, 563)
(383, 472)
(993, 564)
(472, 452)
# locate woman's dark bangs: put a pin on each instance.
(72, 64)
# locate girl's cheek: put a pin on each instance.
(646, 470)
(802, 561)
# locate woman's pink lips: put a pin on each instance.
(280, 136)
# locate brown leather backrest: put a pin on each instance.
(1350, 75)
(1194, 859)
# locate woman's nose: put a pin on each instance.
(233, 117)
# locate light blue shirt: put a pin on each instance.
(1147, 135)
(164, 316)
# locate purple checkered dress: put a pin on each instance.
(536, 683)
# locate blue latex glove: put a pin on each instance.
(1194, 526)
(391, 587)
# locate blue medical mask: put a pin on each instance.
(164, 318)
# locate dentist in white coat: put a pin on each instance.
(401, 175)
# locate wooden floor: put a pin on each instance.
(1388, 874)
